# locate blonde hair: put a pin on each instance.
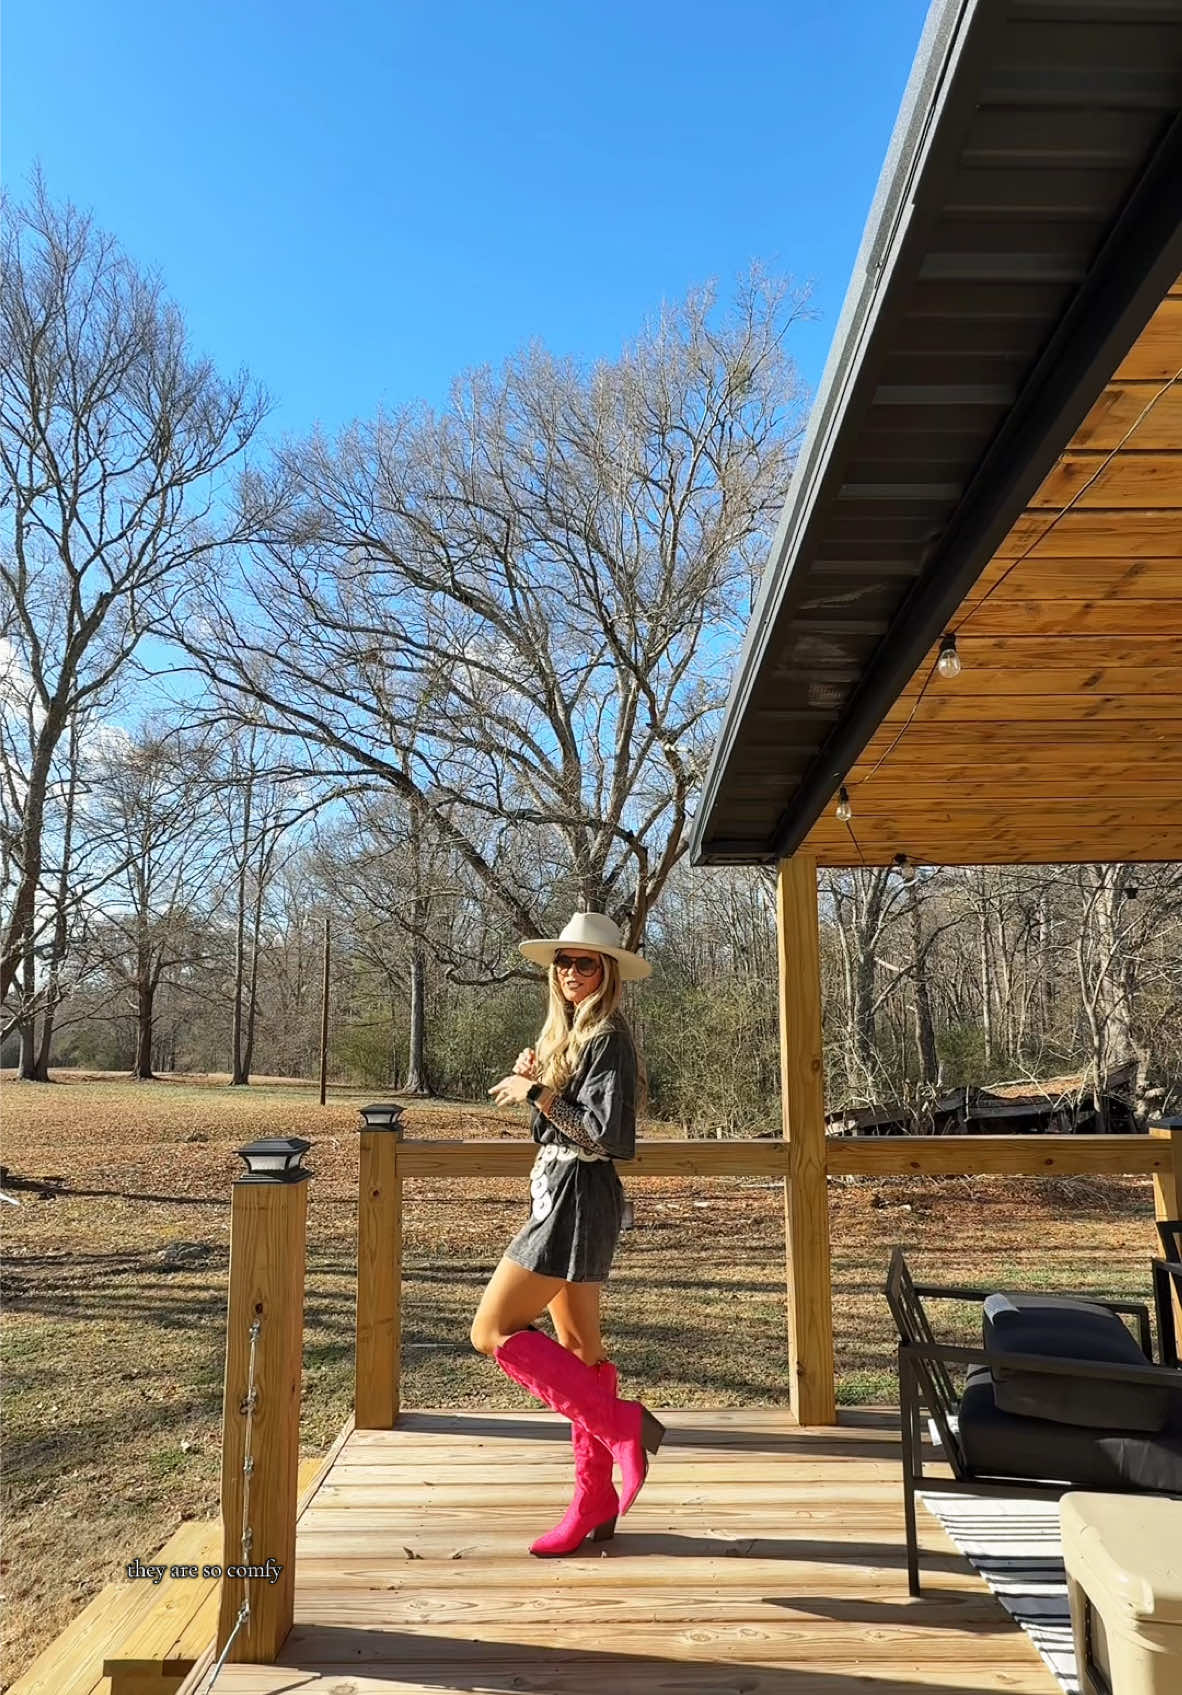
(564, 1037)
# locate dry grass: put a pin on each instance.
(113, 1342)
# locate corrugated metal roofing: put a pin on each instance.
(1028, 220)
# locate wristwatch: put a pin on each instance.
(534, 1090)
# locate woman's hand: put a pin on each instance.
(511, 1090)
(526, 1063)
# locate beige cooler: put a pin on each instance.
(1123, 1555)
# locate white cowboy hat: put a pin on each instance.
(593, 930)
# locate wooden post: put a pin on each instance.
(378, 1355)
(806, 1198)
(268, 1218)
(1167, 1191)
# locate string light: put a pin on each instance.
(905, 868)
(948, 664)
(843, 809)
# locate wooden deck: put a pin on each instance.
(759, 1558)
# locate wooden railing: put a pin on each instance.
(1001, 1156)
(387, 1160)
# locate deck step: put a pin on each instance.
(155, 1655)
(136, 1637)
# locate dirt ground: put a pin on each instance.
(114, 1297)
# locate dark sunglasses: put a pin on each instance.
(584, 964)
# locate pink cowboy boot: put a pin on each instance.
(596, 1505)
(560, 1379)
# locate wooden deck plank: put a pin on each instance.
(550, 1674)
(759, 1557)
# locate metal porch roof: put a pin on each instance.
(1028, 222)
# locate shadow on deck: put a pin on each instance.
(759, 1559)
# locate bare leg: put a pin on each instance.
(512, 1299)
(575, 1311)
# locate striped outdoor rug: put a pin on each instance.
(1015, 1547)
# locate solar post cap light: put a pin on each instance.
(274, 1159)
(383, 1116)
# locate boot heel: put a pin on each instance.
(652, 1431)
(604, 1532)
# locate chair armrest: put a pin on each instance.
(1158, 1376)
(941, 1292)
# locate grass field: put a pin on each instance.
(115, 1296)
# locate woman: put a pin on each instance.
(581, 1083)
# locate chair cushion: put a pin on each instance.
(1069, 1329)
(997, 1443)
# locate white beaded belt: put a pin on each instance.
(539, 1185)
(550, 1151)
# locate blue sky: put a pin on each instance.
(359, 201)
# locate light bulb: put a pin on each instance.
(948, 664)
(844, 810)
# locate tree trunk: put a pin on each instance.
(20, 919)
(986, 978)
(1046, 980)
(925, 1027)
(41, 1063)
(870, 891)
(240, 1072)
(252, 1007)
(61, 928)
(252, 999)
(1003, 968)
(863, 1019)
(27, 1064)
(416, 1065)
(145, 1011)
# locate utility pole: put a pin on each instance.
(324, 1019)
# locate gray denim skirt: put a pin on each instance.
(574, 1222)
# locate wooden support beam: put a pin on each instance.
(1167, 1180)
(806, 1198)
(379, 1279)
(261, 1410)
(1167, 1188)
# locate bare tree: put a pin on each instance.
(925, 1024)
(78, 861)
(520, 616)
(1117, 926)
(112, 438)
(257, 808)
(156, 791)
(863, 903)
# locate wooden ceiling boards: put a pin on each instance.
(1061, 739)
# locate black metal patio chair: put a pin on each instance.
(1134, 1445)
(1169, 1231)
(1167, 1279)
